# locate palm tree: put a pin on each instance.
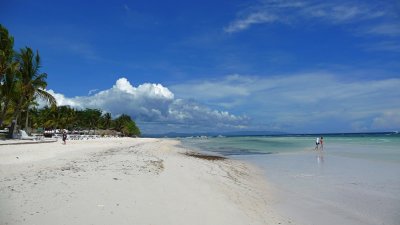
(107, 120)
(8, 89)
(35, 117)
(66, 117)
(126, 125)
(6, 50)
(71, 118)
(120, 121)
(8, 71)
(92, 117)
(31, 82)
(51, 117)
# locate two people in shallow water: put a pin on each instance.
(319, 143)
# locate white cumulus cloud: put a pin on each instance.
(155, 108)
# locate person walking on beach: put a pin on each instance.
(321, 141)
(64, 137)
(317, 143)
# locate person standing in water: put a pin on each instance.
(321, 142)
(317, 143)
(64, 137)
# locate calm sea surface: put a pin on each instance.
(354, 180)
(368, 146)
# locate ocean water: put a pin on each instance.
(354, 180)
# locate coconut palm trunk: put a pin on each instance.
(4, 111)
(14, 123)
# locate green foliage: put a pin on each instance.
(65, 117)
(8, 71)
(106, 120)
(126, 125)
(91, 117)
(6, 50)
(131, 129)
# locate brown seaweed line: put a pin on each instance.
(203, 156)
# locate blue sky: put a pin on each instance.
(189, 66)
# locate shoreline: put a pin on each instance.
(352, 181)
(129, 181)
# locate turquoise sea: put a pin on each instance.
(354, 180)
(381, 146)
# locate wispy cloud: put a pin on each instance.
(133, 18)
(386, 29)
(387, 46)
(126, 8)
(387, 119)
(254, 18)
(341, 13)
(92, 91)
(268, 12)
(289, 12)
(316, 100)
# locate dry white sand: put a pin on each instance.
(128, 181)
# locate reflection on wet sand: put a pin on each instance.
(320, 157)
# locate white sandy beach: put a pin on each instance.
(128, 181)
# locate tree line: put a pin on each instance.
(22, 84)
(66, 117)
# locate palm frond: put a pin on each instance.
(46, 96)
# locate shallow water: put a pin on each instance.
(354, 180)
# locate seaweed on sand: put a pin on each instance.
(204, 156)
